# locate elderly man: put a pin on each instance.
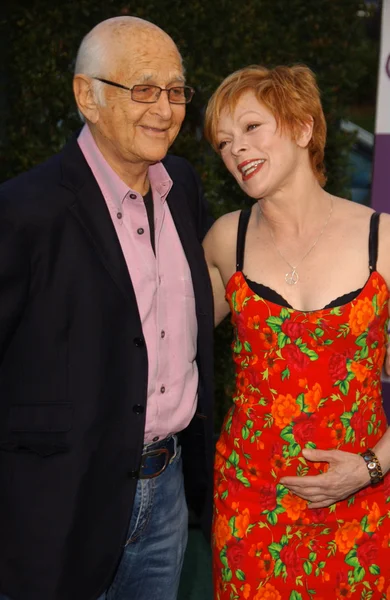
(105, 338)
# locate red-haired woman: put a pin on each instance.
(301, 486)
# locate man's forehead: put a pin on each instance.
(150, 77)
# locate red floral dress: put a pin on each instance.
(303, 379)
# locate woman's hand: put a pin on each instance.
(347, 473)
(387, 361)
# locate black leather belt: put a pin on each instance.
(157, 456)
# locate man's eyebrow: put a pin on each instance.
(150, 78)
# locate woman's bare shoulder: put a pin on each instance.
(349, 209)
(224, 230)
(221, 240)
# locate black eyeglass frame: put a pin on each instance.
(157, 87)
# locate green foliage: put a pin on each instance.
(40, 43)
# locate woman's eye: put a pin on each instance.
(252, 126)
(221, 145)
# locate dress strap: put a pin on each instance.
(373, 241)
(241, 234)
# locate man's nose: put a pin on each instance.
(162, 105)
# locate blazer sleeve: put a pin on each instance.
(205, 219)
(180, 170)
(14, 281)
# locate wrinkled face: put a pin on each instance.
(129, 131)
(260, 157)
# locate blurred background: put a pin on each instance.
(337, 39)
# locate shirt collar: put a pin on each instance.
(111, 185)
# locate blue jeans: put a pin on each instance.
(153, 556)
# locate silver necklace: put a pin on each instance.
(292, 277)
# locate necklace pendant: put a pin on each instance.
(292, 277)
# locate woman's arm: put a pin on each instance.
(219, 248)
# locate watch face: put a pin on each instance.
(371, 466)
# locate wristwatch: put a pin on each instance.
(373, 465)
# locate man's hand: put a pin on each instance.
(347, 473)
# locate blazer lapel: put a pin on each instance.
(90, 209)
(192, 247)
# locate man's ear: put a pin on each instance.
(85, 98)
(305, 133)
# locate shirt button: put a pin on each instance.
(119, 215)
(133, 196)
(139, 342)
(155, 439)
(162, 389)
(138, 409)
(162, 333)
(140, 230)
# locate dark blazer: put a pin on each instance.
(73, 378)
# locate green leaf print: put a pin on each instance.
(336, 311)
(232, 525)
(272, 517)
(361, 340)
(285, 313)
(285, 374)
(319, 332)
(375, 304)
(226, 574)
(229, 423)
(295, 595)
(279, 567)
(349, 435)
(312, 556)
(294, 449)
(234, 459)
(241, 478)
(247, 347)
(374, 570)
(307, 567)
(223, 558)
(364, 352)
(301, 401)
(287, 434)
(344, 387)
(274, 550)
(352, 559)
(310, 445)
(237, 348)
(275, 323)
(359, 573)
(310, 353)
(346, 418)
(332, 548)
(240, 575)
(283, 339)
(245, 432)
(344, 330)
(301, 470)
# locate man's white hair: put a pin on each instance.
(90, 60)
(92, 56)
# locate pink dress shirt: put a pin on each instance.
(163, 288)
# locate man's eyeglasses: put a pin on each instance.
(151, 93)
